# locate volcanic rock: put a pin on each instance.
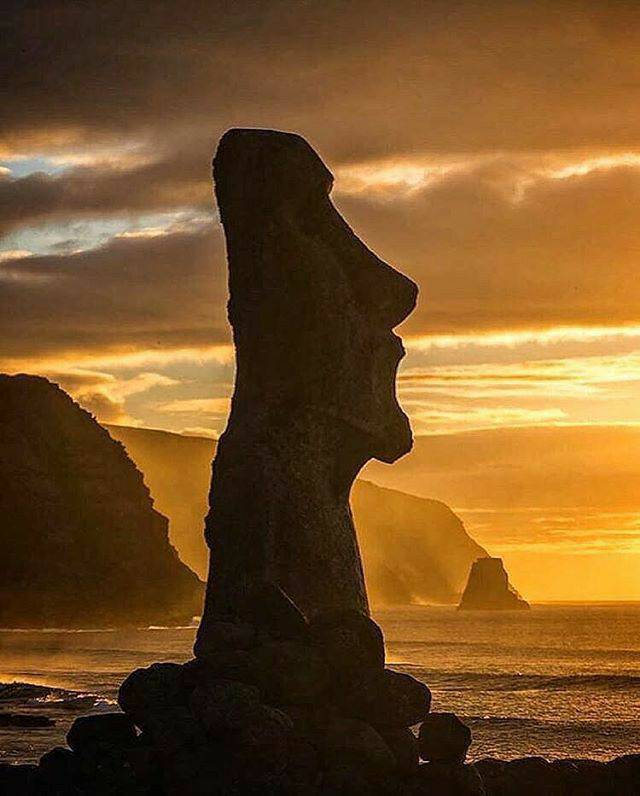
(290, 673)
(446, 780)
(488, 588)
(101, 731)
(350, 641)
(443, 738)
(385, 699)
(312, 311)
(146, 691)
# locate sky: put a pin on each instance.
(491, 151)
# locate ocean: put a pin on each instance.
(557, 681)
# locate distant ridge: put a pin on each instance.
(414, 549)
(81, 544)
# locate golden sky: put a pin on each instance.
(489, 150)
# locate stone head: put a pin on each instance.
(297, 268)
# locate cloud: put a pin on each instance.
(171, 180)
(563, 254)
(130, 295)
(431, 77)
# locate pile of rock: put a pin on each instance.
(280, 706)
(534, 776)
(273, 704)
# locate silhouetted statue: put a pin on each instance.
(312, 311)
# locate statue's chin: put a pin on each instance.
(385, 441)
(396, 442)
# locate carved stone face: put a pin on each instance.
(337, 359)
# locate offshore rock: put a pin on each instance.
(488, 588)
(312, 311)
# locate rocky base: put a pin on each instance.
(273, 704)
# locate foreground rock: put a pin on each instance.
(488, 588)
(219, 726)
(80, 542)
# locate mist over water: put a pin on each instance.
(559, 680)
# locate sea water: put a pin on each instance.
(557, 681)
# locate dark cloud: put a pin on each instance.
(154, 293)
(360, 78)
(565, 253)
(179, 179)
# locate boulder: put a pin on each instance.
(225, 664)
(302, 763)
(101, 731)
(349, 640)
(531, 776)
(492, 772)
(220, 635)
(446, 779)
(223, 705)
(349, 742)
(57, 770)
(625, 773)
(145, 691)
(261, 745)
(404, 745)
(582, 777)
(172, 728)
(443, 738)
(289, 673)
(386, 699)
(18, 780)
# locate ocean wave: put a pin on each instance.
(479, 681)
(32, 694)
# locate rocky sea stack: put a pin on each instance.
(80, 542)
(488, 588)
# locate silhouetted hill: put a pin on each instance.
(80, 541)
(414, 549)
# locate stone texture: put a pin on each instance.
(443, 779)
(312, 311)
(350, 642)
(224, 705)
(488, 588)
(443, 738)
(103, 730)
(385, 699)
(290, 673)
(264, 605)
(159, 686)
